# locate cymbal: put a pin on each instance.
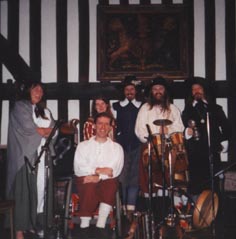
(162, 122)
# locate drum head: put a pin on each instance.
(203, 211)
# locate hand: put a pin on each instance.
(189, 131)
(91, 179)
(44, 132)
(106, 171)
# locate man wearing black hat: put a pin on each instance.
(203, 118)
(126, 113)
(157, 107)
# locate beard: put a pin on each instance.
(158, 100)
(198, 96)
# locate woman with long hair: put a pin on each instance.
(99, 105)
(30, 124)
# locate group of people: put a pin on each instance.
(115, 142)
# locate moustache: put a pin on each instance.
(198, 95)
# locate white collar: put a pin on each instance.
(195, 102)
(125, 102)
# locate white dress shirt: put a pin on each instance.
(91, 154)
(147, 116)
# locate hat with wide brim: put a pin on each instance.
(129, 80)
(159, 81)
(197, 80)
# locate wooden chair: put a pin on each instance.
(7, 206)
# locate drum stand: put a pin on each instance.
(170, 220)
(150, 231)
(211, 162)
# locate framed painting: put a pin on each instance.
(142, 40)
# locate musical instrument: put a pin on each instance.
(181, 159)
(175, 145)
(197, 215)
(202, 214)
(156, 164)
(177, 141)
(162, 122)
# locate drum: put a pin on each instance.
(196, 215)
(203, 212)
(180, 155)
(156, 140)
(156, 164)
(177, 141)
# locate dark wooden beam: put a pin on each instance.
(62, 62)
(84, 40)
(35, 36)
(84, 106)
(13, 24)
(61, 42)
(14, 62)
(84, 54)
(145, 2)
(103, 2)
(89, 91)
(210, 55)
(167, 2)
(190, 9)
(231, 70)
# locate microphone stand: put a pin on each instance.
(150, 216)
(45, 149)
(163, 153)
(211, 162)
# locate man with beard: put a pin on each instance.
(203, 118)
(157, 107)
(126, 113)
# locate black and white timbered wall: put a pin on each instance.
(55, 41)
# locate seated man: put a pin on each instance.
(97, 164)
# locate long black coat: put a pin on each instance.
(199, 151)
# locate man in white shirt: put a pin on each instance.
(157, 107)
(97, 165)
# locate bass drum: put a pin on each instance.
(203, 212)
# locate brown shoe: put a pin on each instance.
(130, 215)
